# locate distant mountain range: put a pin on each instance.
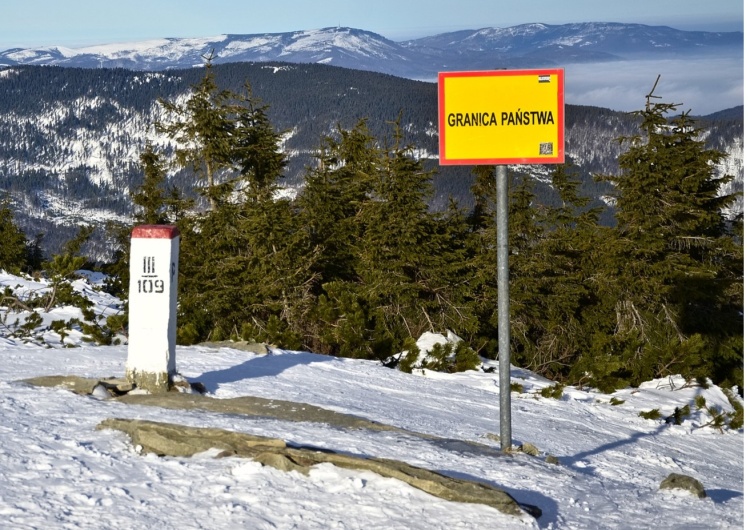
(528, 45)
(70, 138)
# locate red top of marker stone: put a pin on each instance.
(155, 232)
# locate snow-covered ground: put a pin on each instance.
(59, 472)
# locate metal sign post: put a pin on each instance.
(503, 305)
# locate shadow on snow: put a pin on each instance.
(263, 366)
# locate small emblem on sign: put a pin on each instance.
(545, 148)
(544, 78)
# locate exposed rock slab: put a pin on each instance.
(179, 440)
(255, 406)
(254, 347)
(82, 385)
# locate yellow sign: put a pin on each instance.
(502, 117)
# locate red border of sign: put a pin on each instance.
(502, 161)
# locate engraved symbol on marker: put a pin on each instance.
(148, 285)
(149, 265)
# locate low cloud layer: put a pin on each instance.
(704, 85)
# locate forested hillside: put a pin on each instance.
(610, 287)
(70, 139)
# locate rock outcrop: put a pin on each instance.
(182, 441)
(167, 439)
(675, 481)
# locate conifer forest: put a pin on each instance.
(359, 263)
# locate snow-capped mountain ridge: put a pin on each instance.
(611, 41)
(324, 45)
(538, 44)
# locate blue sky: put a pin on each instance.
(76, 23)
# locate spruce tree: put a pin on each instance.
(550, 267)
(394, 262)
(387, 268)
(255, 150)
(203, 130)
(332, 198)
(34, 254)
(671, 269)
(13, 250)
(411, 263)
(254, 283)
(453, 276)
(330, 207)
(550, 260)
(481, 243)
(150, 197)
(155, 204)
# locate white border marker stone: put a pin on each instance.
(154, 254)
